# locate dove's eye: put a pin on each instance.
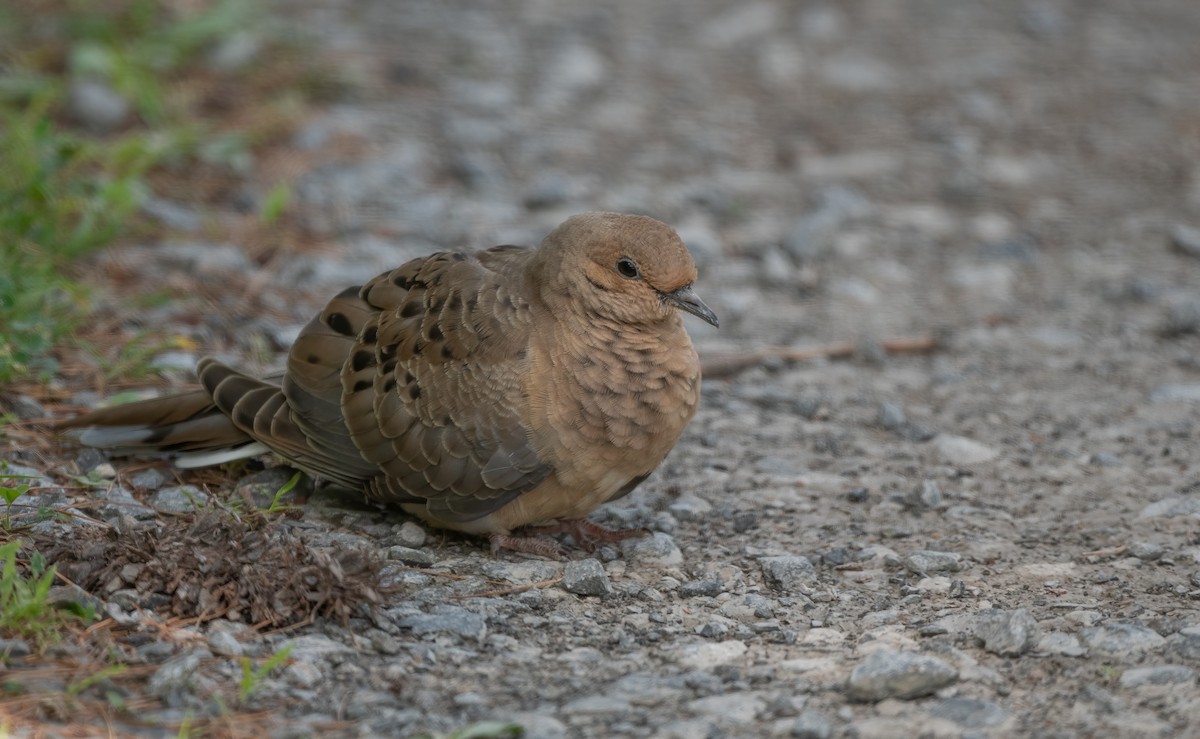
(627, 268)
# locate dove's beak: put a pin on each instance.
(686, 299)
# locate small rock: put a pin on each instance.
(891, 416)
(1186, 240)
(1022, 248)
(1173, 507)
(237, 51)
(789, 574)
(1182, 317)
(658, 547)
(1185, 644)
(1060, 642)
(1007, 633)
(116, 501)
(1105, 459)
(970, 713)
(172, 215)
(25, 407)
(10, 648)
(151, 478)
(891, 674)
(225, 644)
(174, 680)
(261, 489)
(689, 507)
(928, 562)
(858, 495)
(959, 450)
(586, 577)
(1117, 640)
(446, 619)
(1136, 677)
(737, 708)
(928, 494)
(812, 725)
(156, 651)
(179, 499)
(701, 588)
(409, 556)
(707, 655)
(1146, 551)
(1187, 392)
(812, 236)
(96, 105)
(411, 534)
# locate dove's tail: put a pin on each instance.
(233, 417)
(189, 429)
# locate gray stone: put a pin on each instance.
(689, 507)
(1007, 633)
(25, 408)
(1186, 240)
(1118, 640)
(179, 499)
(927, 494)
(172, 215)
(96, 105)
(1185, 644)
(701, 588)
(1173, 507)
(1188, 392)
(225, 644)
(959, 450)
(1137, 677)
(1060, 642)
(446, 619)
(236, 51)
(928, 562)
(175, 679)
(1182, 317)
(891, 416)
(593, 705)
(156, 651)
(789, 574)
(736, 708)
(970, 713)
(891, 674)
(586, 577)
(409, 556)
(658, 548)
(10, 648)
(411, 534)
(204, 257)
(260, 489)
(1146, 551)
(151, 478)
(116, 501)
(812, 725)
(812, 235)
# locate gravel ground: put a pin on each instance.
(996, 538)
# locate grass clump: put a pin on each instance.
(25, 608)
(72, 183)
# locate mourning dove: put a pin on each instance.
(483, 393)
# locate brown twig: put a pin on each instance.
(727, 365)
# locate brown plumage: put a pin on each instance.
(480, 392)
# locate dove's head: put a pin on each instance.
(631, 269)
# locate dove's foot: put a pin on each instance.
(539, 545)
